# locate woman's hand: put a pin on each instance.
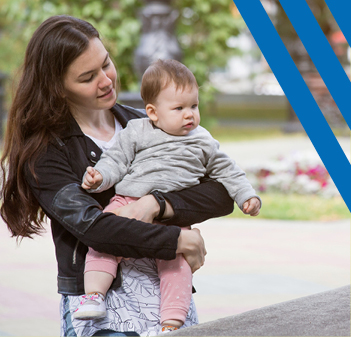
(192, 246)
(144, 209)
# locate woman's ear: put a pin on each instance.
(151, 112)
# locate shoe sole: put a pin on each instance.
(87, 315)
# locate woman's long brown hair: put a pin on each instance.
(38, 111)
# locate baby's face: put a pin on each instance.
(177, 110)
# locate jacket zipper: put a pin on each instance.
(75, 253)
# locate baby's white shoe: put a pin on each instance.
(92, 306)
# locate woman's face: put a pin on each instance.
(90, 81)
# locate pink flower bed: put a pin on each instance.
(292, 174)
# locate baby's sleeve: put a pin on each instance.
(226, 171)
(115, 162)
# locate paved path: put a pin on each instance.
(29, 303)
(253, 263)
(257, 151)
(250, 263)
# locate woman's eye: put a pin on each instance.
(107, 65)
(89, 79)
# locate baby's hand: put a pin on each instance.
(92, 179)
(252, 206)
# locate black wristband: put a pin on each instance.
(161, 201)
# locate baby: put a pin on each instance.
(163, 152)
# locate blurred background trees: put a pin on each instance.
(215, 42)
(304, 63)
(202, 29)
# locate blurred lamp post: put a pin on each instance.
(157, 41)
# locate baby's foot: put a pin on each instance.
(168, 328)
(92, 306)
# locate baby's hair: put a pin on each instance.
(161, 74)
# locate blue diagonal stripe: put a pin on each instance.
(341, 10)
(298, 95)
(321, 53)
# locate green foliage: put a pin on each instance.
(203, 28)
(117, 23)
(299, 208)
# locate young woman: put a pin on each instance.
(63, 116)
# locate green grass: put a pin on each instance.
(299, 207)
(232, 133)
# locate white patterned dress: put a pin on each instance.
(135, 306)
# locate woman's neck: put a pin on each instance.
(98, 124)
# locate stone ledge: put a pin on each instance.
(325, 314)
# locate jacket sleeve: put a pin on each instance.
(58, 191)
(199, 203)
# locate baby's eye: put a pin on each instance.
(194, 106)
(179, 108)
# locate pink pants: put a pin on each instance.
(175, 276)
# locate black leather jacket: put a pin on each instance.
(77, 220)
